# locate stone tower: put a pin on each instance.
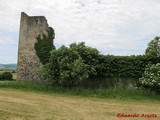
(28, 62)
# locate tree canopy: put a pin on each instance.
(153, 49)
(66, 68)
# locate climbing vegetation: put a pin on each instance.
(44, 45)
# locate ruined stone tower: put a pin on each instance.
(28, 62)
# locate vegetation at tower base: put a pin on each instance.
(44, 45)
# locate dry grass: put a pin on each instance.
(20, 105)
(14, 76)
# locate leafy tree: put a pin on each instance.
(153, 49)
(89, 56)
(44, 45)
(65, 68)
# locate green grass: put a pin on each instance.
(119, 93)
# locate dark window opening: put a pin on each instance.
(36, 21)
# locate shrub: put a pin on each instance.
(66, 68)
(151, 77)
(6, 76)
(1, 76)
(89, 56)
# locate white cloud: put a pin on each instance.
(7, 41)
(120, 27)
(7, 59)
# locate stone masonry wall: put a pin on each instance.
(28, 62)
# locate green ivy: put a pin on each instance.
(44, 45)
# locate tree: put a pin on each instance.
(153, 49)
(65, 68)
(89, 56)
(44, 45)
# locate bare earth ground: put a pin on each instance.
(20, 105)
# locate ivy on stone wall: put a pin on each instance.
(44, 45)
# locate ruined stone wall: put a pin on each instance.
(28, 62)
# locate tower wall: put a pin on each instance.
(28, 62)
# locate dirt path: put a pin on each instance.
(19, 105)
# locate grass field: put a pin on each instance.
(28, 105)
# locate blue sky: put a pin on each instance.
(118, 27)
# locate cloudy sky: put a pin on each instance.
(118, 27)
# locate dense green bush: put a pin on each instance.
(1, 77)
(90, 57)
(6, 76)
(66, 68)
(151, 77)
